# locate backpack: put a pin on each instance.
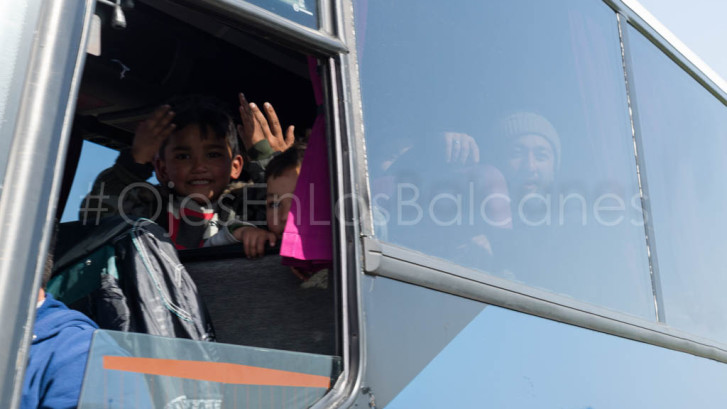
(126, 276)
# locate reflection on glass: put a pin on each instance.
(502, 142)
(303, 12)
(428, 349)
(504, 359)
(143, 371)
(684, 134)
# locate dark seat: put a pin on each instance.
(69, 234)
(262, 303)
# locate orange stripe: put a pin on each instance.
(215, 372)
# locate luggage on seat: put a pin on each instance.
(126, 276)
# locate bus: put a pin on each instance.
(523, 200)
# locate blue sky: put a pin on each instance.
(699, 24)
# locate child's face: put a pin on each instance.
(199, 168)
(279, 197)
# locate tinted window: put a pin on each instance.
(502, 141)
(684, 132)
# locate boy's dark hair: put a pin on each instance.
(47, 270)
(291, 158)
(208, 113)
(48, 267)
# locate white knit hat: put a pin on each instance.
(527, 123)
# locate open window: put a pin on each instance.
(267, 321)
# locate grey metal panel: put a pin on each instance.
(18, 22)
(638, 17)
(347, 249)
(416, 268)
(304, 39)
(325, 17)
(346, 143)
(33, 177)
(346, 150)
(407, 327)
(354, 119)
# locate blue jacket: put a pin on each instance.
(58, 355)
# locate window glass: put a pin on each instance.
(502, 142)
(94, 159)
(494, 357)
(303, 12)
(18, 22)
(143, 371)
(684, 134)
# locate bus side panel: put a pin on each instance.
(433, 350)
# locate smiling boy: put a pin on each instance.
(193, 146)
(197, 166)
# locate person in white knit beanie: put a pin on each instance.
(532, 156)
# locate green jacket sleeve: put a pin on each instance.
(260, 155)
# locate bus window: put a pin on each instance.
(683, 130)
(278, 318)
(503, 143)
(94, 158)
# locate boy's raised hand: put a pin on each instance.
(256, 127)
(272, 129)
(151, 133)
(253, 240)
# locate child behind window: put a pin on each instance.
(281, 176)
(193, 146)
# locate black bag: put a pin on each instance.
(126, 276)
